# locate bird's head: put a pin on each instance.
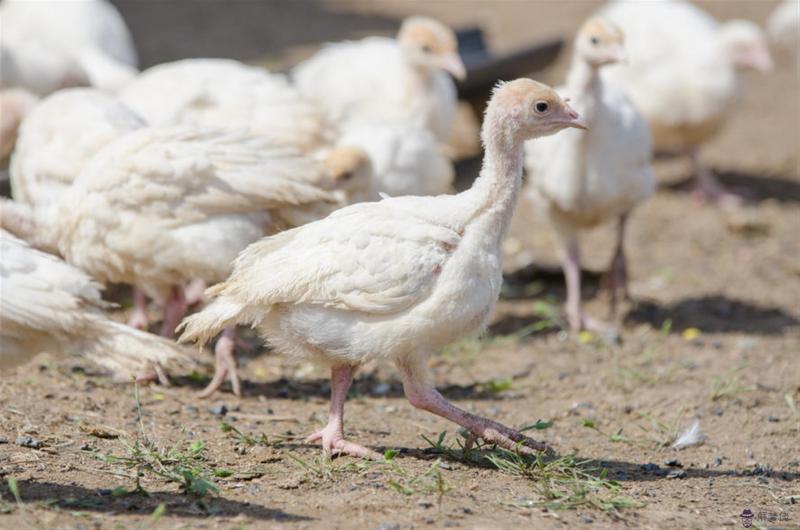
(431, 45)
(600, 42)
(526, 109)
(350, 170)
(745, 45)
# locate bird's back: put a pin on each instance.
(229, 94)
(59, 136)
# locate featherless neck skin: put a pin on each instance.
(497, 188)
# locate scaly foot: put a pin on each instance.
(334, 443)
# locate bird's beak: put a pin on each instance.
(452, 63)
(760, 60)
(573, 119)
(619, 55)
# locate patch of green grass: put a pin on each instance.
(184, 463)
(729, 387)
(650, 433)
(245, 439)
(397, 477)
(561, 483)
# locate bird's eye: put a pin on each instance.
(426, 49)
(594, 41)
(347, 175)
(542, 107)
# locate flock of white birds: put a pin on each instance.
(318, 206)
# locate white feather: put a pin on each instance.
(689, 437)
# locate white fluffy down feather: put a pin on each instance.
(223, 93)
(49, 305)
(406, 159)
(51, 45)
(59, 136)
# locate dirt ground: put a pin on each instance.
(712, 334)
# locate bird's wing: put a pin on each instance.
(369, 257)
(41, 292)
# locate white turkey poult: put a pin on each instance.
(397, 279)
(379, 79)
(49, 305)
(224, 93)
(47, 46)
(784, 27)
(162, 206)
(580, 179)
(681, 74)
(406, 159)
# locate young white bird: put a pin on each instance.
(580, 179)
(51, 45)
(406, 159)
(223, 93)
(784, 27)
(49, 305)
(681, 74)
(396, 279)
(162, 206)
(59, 136)
(380, 79)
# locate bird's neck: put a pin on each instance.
(583, 77)
(494, 193)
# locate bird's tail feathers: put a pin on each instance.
(126, 351)
(203, 326)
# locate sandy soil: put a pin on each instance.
(733, 281)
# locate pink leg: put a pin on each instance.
(196, 292)
(225, 365)
(425, 397)
(138, 317)
(174, 311)
(572, 273)
(708, 188)
(616, 279)
(332, 436)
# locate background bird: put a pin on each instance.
(784, 27)
(380, 79)
(397, 279)
(681, 74)
(15, 104)
(406, 159)
(223, 93)
(51, 45)
(51, 306)
(579, 179)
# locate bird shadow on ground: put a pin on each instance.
(617, 469)
(714, 314)
(101, 500)
(367, 385)
(754, 188)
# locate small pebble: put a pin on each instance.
(381, 389)
(717, 410)
(3, 440)
(218, 410)
(650, 467)
(773, 419)
(587, 520)
(676, 473)
(425, 504)
(673, 462)
(717, 462)
(389, 526)
(27, 441)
